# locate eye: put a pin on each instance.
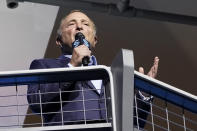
(70, 24)
(87, 24)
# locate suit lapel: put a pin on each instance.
(89, 83)
(63, 61)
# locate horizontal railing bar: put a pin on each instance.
(166, 92)
(24, 77)
(19, 95)
(56, 112)
(57, 92)
(44, 103)
(57, 122)
(61, 121)
(165, 85)
(15, 105)
(51, 70)
(65, 127)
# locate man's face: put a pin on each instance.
(74, 23)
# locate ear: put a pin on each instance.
(95, 40)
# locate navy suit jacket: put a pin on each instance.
(73, 107)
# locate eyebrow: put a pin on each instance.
(73, 20)
(83, 20)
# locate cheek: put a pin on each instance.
(67, 36)
(89, 34)
(92, 41)
(91, 37)
(68, 32)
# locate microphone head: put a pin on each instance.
(79, 35)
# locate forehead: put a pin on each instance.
(76, 16)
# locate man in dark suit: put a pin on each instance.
(74, 109)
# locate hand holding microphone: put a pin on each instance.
(81, 50)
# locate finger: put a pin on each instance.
(156, 63)
(141, 70)
(154, 68)
(151, 72)
(83, 51)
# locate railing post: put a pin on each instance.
(123, 76)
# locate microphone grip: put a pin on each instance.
(85, 60)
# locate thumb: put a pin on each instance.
(141, 70)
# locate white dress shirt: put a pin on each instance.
(97, 83)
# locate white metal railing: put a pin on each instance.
(19, 80)
(117, 115)
(171, 109)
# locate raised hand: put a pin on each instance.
(153, 71)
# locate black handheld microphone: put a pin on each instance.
(79, 36)
(80, 39)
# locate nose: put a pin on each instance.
(79, 26)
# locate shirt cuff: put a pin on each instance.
(145, 98)
(70, 65)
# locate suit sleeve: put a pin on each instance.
(41, 95)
